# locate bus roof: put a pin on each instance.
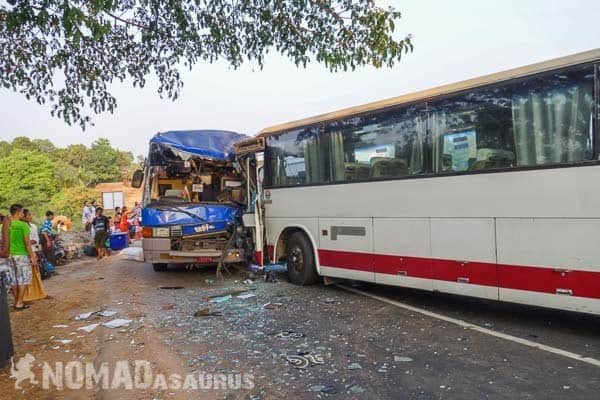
(557, 63)
(213, 144)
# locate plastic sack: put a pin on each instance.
(35, 291)
(133, 253)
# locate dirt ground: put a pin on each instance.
(355, 347)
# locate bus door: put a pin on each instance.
(250, 155)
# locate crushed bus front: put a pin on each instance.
(194, 201)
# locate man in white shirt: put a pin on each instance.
(34, 236)
(87, 215)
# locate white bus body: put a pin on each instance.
(527, 234)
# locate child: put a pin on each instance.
(101, 227)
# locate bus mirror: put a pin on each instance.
(138, 178)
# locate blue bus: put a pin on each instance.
(194, 199)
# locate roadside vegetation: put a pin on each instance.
(41, 176)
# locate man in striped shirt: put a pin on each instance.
(46, 238)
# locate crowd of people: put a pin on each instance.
(22, 249)
(101, 226)
(27, 253)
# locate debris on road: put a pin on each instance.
(246, 296)
(220, 299)
(64, 341)
(402, 359)
(289, 335)
(167, 306)
(327, 389)
(84, 316)
(107, 313)
(272, 306)
(205, 312)
(88, 328)
(304, 360)
(355, 389)
(60, 326)
(117, 323)
(354, 366)
(170, 287)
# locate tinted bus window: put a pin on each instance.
(383, 145)
(538, 121)
(295, 158)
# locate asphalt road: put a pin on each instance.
(364, 348)
(573, 332)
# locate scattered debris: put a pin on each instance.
(167, 306)
(205, 312)
(329, 300)
(270, 277)
(85, 316)
(272, 306)
(170, 287)
(117, 323)
(246, 296)
(220, 299)
(289, 335)
(248, 282)
(355, 389)
(328, 389)
(402, 359)
(64, 341)
(107, 313)
(133, 253)
(88, 328)
(60, 326)
(303, 361)
(354, 365)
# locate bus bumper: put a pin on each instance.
(158, 250)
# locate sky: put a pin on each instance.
(454, 40)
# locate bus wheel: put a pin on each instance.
(159, 267)
(300, 260)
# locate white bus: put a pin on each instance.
(487, 188)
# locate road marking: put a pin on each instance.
(477, 328)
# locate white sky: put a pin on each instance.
(454, 40)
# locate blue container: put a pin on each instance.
(118, 240)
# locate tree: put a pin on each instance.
(69, 202)
(26, 177)
(95, 42)
(103, 161)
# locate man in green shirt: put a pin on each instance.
(22, 256)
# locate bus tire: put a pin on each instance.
(300, 260)
(159, 267)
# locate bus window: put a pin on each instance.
(296, 158)
(385, 145)
(537, 121)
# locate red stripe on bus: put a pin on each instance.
(534, 279)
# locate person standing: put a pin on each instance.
(34, 236)
(92, 210)
(102, 228)
(6, 344)
(22, 256)
(117, 217)
(87, 215)
(35, 290)
(46, 238)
